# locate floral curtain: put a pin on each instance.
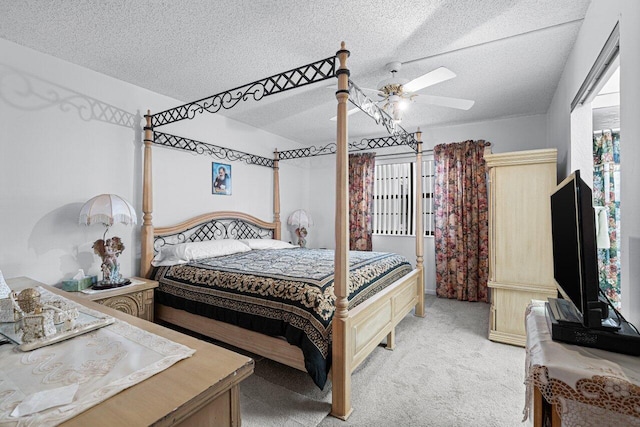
(461, 221)
(361, 180)
(606, 193)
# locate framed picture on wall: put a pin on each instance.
(221, 178)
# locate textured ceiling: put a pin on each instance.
(508, 54)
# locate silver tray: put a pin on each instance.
(83, 324)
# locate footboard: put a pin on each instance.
(378, 316)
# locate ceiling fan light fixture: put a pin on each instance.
(396, 112)
(391, 85)
(396, 93)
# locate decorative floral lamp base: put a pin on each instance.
(301, 232)
(109, 250)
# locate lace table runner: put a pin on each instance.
(102, 362)
(591, 387)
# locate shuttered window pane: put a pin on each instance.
(394, 198)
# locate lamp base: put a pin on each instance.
(101, 285)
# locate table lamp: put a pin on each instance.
(301, 220)
(108, 209)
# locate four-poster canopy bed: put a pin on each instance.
(353, 327)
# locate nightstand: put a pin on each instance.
(135, 299)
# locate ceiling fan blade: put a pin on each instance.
(436, 76)
(350, 112)
(445, 101)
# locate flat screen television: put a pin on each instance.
(575, 259)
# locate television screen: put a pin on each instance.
(575, 262)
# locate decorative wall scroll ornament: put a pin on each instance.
(32, 93)
(307, 74)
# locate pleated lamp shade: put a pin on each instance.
(107, 209)
(300, 218)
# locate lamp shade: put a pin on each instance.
(107, 209)
(300, 218)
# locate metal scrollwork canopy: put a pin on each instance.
(307, 74)
(199, 147)
(385, 141)
(307, 152)
(363, 144)
(369, 107)
(311, 73)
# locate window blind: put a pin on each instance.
(394, 198)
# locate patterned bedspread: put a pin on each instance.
(279, 292)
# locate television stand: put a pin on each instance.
(585, 387)
(624, 340)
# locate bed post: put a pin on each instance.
(276, 194)
(146, 237)
(419, 226)
(341, 369)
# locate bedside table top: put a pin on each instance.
(137, 284)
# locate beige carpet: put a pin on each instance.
(443, 372)
(276, 395)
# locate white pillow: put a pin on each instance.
(192, 251)
(267, 244)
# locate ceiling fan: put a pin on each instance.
(397, 93)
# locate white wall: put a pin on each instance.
(506, 135)
(68, 134)
(509, 134)
(596, 28)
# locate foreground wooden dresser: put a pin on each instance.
(202, 390)
(520, 248)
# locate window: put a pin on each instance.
(596, 144)
(394, 198)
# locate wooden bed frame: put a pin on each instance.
(357, 332)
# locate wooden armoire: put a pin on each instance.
(520, 249)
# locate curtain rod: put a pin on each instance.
(604, 130)
(403, 155)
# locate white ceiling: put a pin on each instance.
(508, 54)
